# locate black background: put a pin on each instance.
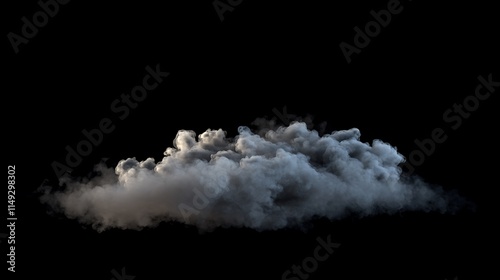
(225, 74)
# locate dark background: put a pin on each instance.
(264, 55)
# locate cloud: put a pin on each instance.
(271, 179)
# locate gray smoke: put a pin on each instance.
(268, 180)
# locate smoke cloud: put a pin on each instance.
(270, 179)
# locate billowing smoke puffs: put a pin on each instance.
(266, 181)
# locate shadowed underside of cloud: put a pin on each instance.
(267, 180)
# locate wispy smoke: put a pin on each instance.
(272, 179)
